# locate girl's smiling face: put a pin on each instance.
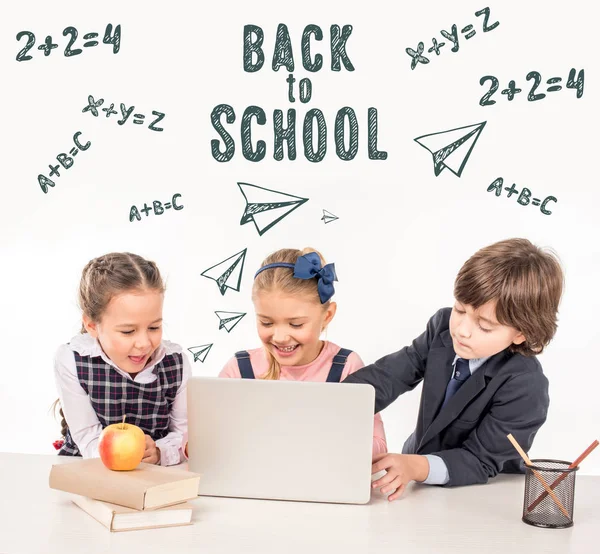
(290, 326)
(130, 329)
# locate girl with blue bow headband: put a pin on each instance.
(292, 294)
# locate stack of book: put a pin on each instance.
(147, 497)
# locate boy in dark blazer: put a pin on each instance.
(481, 378)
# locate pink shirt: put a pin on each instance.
(317, 370)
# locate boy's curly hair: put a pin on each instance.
(525, 281)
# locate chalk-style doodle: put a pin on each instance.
(138, 118)
(451, 149)
(328, 217)
(200, 352)
(110, 37)
(157, 207)
(314, 129)
(266, 207)
(511, 91)
(228, 273)
(417, 56)
(524, 196)
(283, 55)
(65, 161)
(228, 320)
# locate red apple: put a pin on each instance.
(122, 446)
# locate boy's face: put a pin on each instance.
(477, 333)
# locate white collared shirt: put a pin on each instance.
(84, 425)
(474, 364)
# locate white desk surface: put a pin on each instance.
(482, 519)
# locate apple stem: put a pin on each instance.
(123, 423)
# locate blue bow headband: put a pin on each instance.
(309, 267)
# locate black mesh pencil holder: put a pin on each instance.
(541, 508)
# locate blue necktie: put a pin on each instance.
(461, 374)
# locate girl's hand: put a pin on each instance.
(400, 469)
(152, 453)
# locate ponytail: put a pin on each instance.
(274, 370)
(63, 422)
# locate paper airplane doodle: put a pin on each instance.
(266, 207)
(451, 148)
(228, 273)
(328, 217)
(200, 352)
(228, 320)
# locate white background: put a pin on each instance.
(402, 233)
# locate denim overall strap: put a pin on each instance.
(243, 359)
(337, 367)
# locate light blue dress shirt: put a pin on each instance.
(438, 471)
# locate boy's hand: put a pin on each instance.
(401, 469)
(152, 453)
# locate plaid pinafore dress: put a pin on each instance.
(113, 396)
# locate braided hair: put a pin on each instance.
(105, 277)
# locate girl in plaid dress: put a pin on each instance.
(119, 365)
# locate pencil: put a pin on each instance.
(538, 475)
(558, 480)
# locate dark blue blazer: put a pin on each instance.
(508, 394)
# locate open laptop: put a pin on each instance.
(281, 440)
